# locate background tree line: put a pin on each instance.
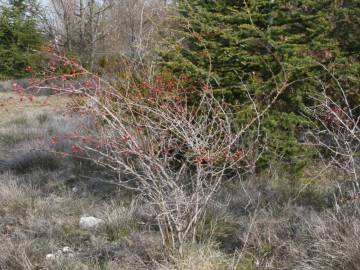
(263, 53)
(98, 33)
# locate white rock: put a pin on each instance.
(90, 222)
(66, 250)
(76, 189)
(50, 257)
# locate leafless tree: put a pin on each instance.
(93, 29)
(135, 24)
(78, 26)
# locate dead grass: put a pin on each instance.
(261, 223)
(34, 224)
(15, 106)
(203, 257)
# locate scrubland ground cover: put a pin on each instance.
(265, 221)
(43, 197)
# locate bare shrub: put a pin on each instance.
(338, 135)
(301, 238)
(175, 156)
(332, 242)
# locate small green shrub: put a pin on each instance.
(72, 234)
(246, 263)
(36, 159)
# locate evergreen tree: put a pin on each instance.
(346, 30)
(20, 38)
(255, 47)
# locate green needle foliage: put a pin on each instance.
(251, 50)
(346, 30)
(20, 39)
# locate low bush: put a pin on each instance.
(36, 159)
